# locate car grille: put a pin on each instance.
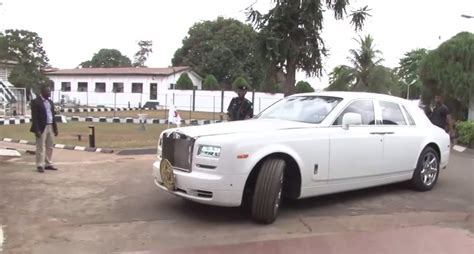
(177, 148)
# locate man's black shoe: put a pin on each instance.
(50, 168)
(40, 169)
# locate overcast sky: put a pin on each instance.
(73, 30)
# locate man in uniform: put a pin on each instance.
(240, 108)
(440, 116)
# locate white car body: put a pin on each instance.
(326, 158)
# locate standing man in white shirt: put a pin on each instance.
(44, 127)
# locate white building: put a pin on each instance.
(116, 87)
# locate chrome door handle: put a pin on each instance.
(378, 133)
(382, 133)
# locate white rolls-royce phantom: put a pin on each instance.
(304, 145)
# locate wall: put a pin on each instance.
(209, 101)
(109, 98)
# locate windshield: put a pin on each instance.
(308, 109)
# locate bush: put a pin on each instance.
(210, 83)
(304, 87)
(184, 82)
(466, 132)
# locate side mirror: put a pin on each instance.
(351, 119)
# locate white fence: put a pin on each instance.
(200, 100)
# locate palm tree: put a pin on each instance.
(408, 72)
(365, 73)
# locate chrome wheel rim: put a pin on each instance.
(430, 169)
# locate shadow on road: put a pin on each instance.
(290, 208)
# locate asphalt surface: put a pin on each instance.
(102, 203)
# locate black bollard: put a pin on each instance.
(91, 136)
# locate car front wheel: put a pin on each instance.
(268, 188)
(427, 170)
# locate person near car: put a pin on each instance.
(440, 115)
(43, 125)
(239, 107)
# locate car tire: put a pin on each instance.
(427, 170)
(268, 189)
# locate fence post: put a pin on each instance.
(253, 97)
(166, 103)
(222, 105)
(191, 106)
(259, 104)
(87, 101)
(173, 99)
(213, 108)
(115, 102)
(194, 99)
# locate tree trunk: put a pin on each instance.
(289, 87)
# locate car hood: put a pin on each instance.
(246, 126)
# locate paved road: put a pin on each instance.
(101, 203)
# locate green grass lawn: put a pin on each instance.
(108, 135)
(161, 114)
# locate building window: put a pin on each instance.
(153, 91)
(82, 86)
(118, 87)
(137, 87)
(172, 86)
(100, 87)
(66, 86)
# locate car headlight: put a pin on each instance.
(209, 151)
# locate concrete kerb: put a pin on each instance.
(462, 149)
(137, 120)
(61, 146)
(64, 119)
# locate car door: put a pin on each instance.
(401, 138)
(357, 151)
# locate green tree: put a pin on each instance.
(25, 48)
(222, 47)
(365, 74)
(184, 82)
(408, 70)
(240, 81)
(142, 54)
(290, 35)
(4, 48)
(210, 83)
(449, 71)
(107, 58)
(304, 87)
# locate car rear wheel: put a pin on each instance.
(268, 188)
(427, 170)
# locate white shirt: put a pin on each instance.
(49, 114)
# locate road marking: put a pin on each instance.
(459, 148)
(2, 238)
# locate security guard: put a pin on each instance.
(240, 108)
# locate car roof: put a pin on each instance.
(355, 95)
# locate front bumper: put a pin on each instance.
(204, 186)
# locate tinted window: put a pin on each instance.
(363, 107)
(391, 114)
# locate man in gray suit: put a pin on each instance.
(44, 127)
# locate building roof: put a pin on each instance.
(119, 71)
(8, 62)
